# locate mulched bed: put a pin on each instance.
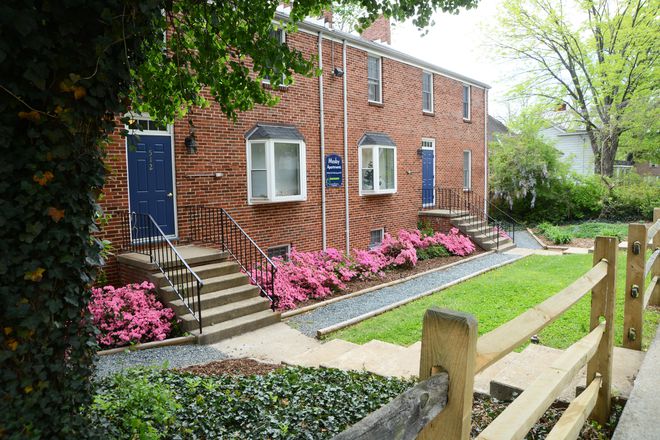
(575, 242)
(392, 275)
(232, 367)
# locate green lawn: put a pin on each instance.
(593, 229)
(499, 296)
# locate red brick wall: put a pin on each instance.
(222, 150)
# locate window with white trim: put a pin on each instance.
(276, 170)
(466, 102)
(374, 78)
(279, 251)
(377, 169)
(427, 92)
(376, 238)
(467, 169)
(278, 35)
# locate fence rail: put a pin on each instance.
(141, 234)
(450, 346)
(637, 295)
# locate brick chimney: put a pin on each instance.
(327, 19)
(379, 31)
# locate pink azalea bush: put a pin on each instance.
(129, 314)
(308, 275)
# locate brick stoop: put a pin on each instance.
(230, 304)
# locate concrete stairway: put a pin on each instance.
(503, 380)
(230, 304)
(469, 225)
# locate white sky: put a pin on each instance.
(460, 43)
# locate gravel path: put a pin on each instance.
(525, 240)
(309, 323)
(175, 356)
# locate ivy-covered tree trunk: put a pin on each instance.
(62, 74)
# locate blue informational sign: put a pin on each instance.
(333, 171)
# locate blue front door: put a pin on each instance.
(428, 177)
(150, 184)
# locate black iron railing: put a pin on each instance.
(214, 226)
(141, 234)
(471, 209)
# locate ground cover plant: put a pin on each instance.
(499, 296)
(129, 315)
(289, 403)
(316, 275)
(563, 234)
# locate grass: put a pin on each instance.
(499, 296)
(593, 229)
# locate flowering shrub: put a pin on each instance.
(129, 314)
(319, 274)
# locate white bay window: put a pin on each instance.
(377, 157)
(276, 166)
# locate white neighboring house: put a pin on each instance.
(574, 147)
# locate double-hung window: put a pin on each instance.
(377, 162)
(427, 92)
(467, 169)
(280, 36)
(374, 78)
(276, 164)
(466, 102)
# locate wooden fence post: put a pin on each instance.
(449, 342)
(655, 269)
(635, 287)
(603, 299)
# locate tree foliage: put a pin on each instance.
(596, 57)
(67, 69)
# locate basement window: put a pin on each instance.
(276, 164)
(279, 251)
(376, 238)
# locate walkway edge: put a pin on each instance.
(309, 308)
(324, 331)
(538, 240)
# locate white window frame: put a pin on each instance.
(382, 237)
(270, 174)
(282, 33)
(430, 74)
(469, 102)
(376, 171)
(288, 250)
(468, 170)
(380, 78)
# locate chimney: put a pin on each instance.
(327, 19)
(379, 31)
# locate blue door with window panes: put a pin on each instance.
(150, 182)
(428, 177)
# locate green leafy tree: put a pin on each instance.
(597, 58)
(67, 70)
(522, 164)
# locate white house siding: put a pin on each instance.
(575, 149)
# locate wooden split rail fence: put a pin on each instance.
(440, 406)
(638, 294)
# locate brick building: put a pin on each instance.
(397, 123)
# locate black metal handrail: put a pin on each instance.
(471, 207)
(141, 234)
(214, 225)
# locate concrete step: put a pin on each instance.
(204, 271)
(506, 247)
(236, 326)
(483, 379)
(322, 354)
(214, 284)
(214, 299)
(215, 315)
(534, 359)
(193, 255)
(377, 357)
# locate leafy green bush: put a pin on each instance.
(291, 403)
(555, 234)
(433, 251)
(586, 197)
(632, 198)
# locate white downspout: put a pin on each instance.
(346, 179)
(322, 132)
(486, 151)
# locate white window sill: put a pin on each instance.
(467, 120)
(277, 200)
(467, 189)
(378, 193)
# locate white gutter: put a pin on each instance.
(486, 151)
(346, 179)
(322, 133)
